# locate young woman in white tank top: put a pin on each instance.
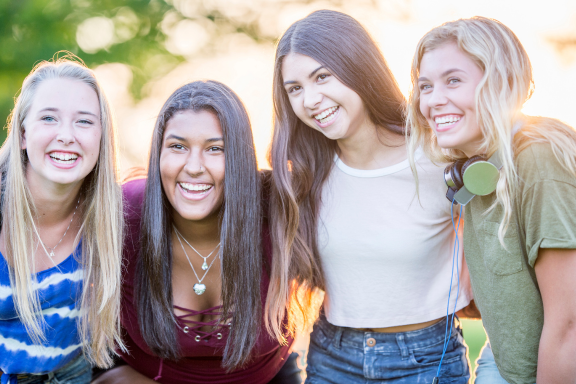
(346, 217)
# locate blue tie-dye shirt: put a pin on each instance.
(59, 289)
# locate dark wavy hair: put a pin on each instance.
(241, 224)
(302, 157)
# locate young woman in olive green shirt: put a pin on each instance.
(471, 78)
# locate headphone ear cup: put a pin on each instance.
(480, 176)
(456, 173)
(469, 162)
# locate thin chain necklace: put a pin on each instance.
(51, 253)
(205, 264)
(199, 288)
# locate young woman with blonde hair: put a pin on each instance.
(61, 215)
(346, 219)
(471, 78)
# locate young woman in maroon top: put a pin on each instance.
(197, 252)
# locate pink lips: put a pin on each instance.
(69, 165)
(194, 195)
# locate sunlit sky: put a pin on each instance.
(396, 25)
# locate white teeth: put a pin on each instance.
(327, 115)
(63, 156)
(329, 118)
(447, 119)
(195, 187)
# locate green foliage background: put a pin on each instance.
(34, 30)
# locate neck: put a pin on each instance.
(473, 149)
(201, 234)
(54, 203)
(372, 147)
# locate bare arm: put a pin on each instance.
(555, 269)
(123, 374)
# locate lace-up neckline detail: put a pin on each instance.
(193, 327)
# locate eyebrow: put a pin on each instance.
(180, 138)
(173, 136)
(56, 110)
(314, 71)
(309, 76)
(445, 73)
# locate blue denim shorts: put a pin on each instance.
(78, 371)
(486, 369)
(345, 355)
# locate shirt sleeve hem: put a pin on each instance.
(548, 243)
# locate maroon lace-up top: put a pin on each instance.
(201, 351)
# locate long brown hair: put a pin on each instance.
(240, 233)
(302, 157)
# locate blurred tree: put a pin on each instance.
(150, 36)
(126, 31)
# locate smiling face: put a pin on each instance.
(192, 164)
(320, 100)
(62, 133)
(448, 81)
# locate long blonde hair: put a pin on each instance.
(101, 228)
(504, 88)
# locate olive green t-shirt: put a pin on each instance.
(504, 283)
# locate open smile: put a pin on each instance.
(446, 122)
(326, 117)
(195, 191)
(63, 159)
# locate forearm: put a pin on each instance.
(556, 364)
(124, 374)
(554, 271)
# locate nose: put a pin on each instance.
(66, 134)
(194, 166)
(312, 98)
(437, 98)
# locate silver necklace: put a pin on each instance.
(199, 288)
(51, 253)
(205, 264)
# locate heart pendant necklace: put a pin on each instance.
(205, 264)
(199, 288)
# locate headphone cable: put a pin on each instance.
(454, 257)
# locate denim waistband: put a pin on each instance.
(391, 342)
(15, 377)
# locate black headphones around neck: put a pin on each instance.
(476, 176)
